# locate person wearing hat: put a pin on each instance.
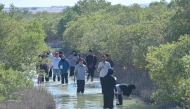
(56, 70)
(109, 87)
(124, 90)
(73, 58)
(79, 73)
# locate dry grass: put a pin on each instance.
(32, 98)
(133, 75)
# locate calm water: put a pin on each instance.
(66, 97)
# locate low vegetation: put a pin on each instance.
(31, 98)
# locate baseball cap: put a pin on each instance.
(56, 53)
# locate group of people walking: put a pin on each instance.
(61, 66)
(79, 67)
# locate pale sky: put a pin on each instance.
(48, 3)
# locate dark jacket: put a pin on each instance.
(127, 89)
(44, 67)
(91, 60)
(65, 66)
(111, 62)
(109, 83)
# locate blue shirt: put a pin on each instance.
(63, 66)
(80, 71)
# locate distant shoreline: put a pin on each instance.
(52, 8)
(50, 11)
(56, 8)
(35, 11)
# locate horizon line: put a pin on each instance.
(69, 6)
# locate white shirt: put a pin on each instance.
(104, 71)
(55, 61)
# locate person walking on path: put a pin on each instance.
(109, 60)
(103, 67)
(91, 61)
(56, 70)
(64, 67)
(79, 73)
(124, 90)
(109, 83)
(73, 58)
